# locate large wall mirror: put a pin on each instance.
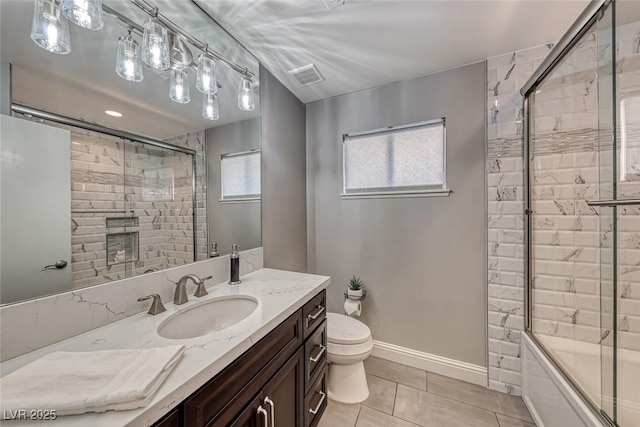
(112, 168)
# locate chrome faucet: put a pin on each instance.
(180, 297)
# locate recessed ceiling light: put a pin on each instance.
(113, 113)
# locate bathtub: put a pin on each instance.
(554, 403)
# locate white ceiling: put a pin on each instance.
(365, 43)
(83, 84)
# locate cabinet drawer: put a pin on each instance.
(313, 313)
(172, 419)
(315, 355)
(316, 400)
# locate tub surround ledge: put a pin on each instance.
(280, 294)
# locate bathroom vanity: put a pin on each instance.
(268, 369)
(280, 381)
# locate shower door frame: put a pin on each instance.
(589, 16)
(127, 136)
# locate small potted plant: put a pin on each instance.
(356, 288)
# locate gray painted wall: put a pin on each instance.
(5, 88)
(230, 223)
(422, 259)
(284, 209)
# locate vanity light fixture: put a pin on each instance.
(210, 108)
(49, 29)
(246, 99)
(206, 81)
(85, 13)
(155, 45)
(179, 86)
(164, 46)
(113, 113)
(128, 65)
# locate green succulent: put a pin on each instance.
(356, 284)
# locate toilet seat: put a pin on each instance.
(346, 331)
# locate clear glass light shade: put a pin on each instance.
(155, 45)
(179, 86)
(206, 80)
(128, 64)
(49, 29)
(210, 108)
(246, 99)
(85, 13)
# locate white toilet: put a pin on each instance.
(349, 343)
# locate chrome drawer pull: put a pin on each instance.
(317, 357)
(262, 411)
(273, 410)
(312, 317)
(317, 408)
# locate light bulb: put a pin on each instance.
(85, 13)
(246, 100)
(210, 108)
(206, 79)
(179, 86)
(128, 65)
(155, 45)
(49, 28)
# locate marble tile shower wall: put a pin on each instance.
(506, 74)
(567, 232)
(159, 191)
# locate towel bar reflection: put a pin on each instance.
(87, 211)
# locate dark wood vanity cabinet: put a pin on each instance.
(280, 381)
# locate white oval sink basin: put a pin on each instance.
(207, 317)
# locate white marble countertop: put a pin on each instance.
(279, 294)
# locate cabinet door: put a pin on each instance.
(284, 394)
(254, 415)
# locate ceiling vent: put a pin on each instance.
(307, 75)
(332, 4)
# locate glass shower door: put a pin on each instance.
(627, 296)
(607, 236)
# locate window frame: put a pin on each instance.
(391, 193)
(239, 199)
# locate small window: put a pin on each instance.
(241, 176)
(400, 160)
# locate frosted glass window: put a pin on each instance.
(396, 159)
(241, 175)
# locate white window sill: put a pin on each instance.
(445, 192)
(239, 200)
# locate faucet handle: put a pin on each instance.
(201, 290)
(156, 305)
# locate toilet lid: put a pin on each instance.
(343, 329)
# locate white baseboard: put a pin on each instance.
(430, 362)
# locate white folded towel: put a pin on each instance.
(97, 381)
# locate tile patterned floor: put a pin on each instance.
(401, 396)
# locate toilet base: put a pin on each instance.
(347, 383)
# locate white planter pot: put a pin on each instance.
(354, 294)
